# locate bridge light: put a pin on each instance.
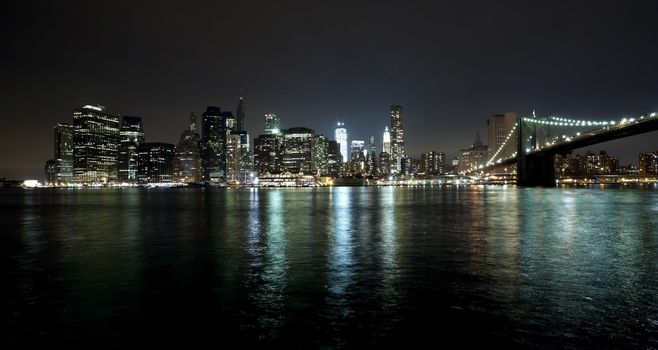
(654, 114)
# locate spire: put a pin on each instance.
(478, 142)
(192, 122)
(240, 117)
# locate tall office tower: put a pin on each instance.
(155, 162)
(95, 144)
(386, 143)
(358, 157)
(211, 150)
(187, 161)
(334, 159)
(498, 128)
(131, 135)
(397, 139)
(238, 163)
(240, 117)
(268, 153)
(228, 125)
(341, 137)
(298, 150)
(272, 124)
(371, 157)
(321, 154)
(63, 168)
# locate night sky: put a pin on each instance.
(450, 64)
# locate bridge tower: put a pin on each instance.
(536, 168)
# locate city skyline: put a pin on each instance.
(581, 60)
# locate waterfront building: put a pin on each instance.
(63, 154)
(131, 135)
(298, 150)
(648, 163)
(155, 163)
(210, 143)
(321, 154)
(431, 163)
(268, 153)
(398, 152)
(499, 127)
(473, 157)
(334, 159)
(187, 160)
(238, 157)
(587, 165)
(50, 169)
(341, 137)
(95, 144)
(272, 124)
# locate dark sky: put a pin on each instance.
(450, 63)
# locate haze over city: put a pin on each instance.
(450, 65)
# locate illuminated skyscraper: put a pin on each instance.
(238, 157)
(95, 144)
(397, 139)
(386, 143)
(211, 127)
(272, 124)
(341, 138)
(298, 151)
(131, 135)
(63, 168)
(155, 162)
(187, 162)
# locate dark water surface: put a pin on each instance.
(331, 267)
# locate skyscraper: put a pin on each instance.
(397, 139)
(371, 157)
(272, 124)
(341, 138)
(298, 150)
(498, 128)
(386, 143)
(238, 157)
(63, 167)
(211, 127)
(95, 144)
(187, 161)
(155, 162)
(131, 135)
(268, 153)
(321, 154)
(240, 116)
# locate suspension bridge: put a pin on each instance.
(533, 142)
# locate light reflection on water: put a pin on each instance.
(332, 267)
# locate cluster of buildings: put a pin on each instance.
(101, 148)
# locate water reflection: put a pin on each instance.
(341, 261)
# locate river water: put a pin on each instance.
(332, 267)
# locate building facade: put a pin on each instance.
(398, 152)
(63, 154)
(131, 135)
(187, 161)
(499, 127)
(298, 151)
(95, 145)
(341, 138)
(155, 163)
